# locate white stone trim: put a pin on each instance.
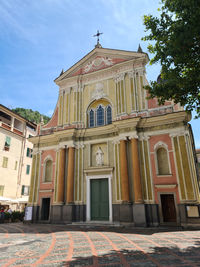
(150, 170)
(145, 173)
(158, 145)
(176, 168)
(88, 211)
(49, 157)
(190, 164)
(161, 186)
(179, 150)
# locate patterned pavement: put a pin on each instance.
(63, 245)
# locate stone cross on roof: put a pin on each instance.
(97, 35)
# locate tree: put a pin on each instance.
(31, 115)
(176, 46)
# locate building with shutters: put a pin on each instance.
(15, 158)
(111, 155)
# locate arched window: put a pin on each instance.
(48, 171)
(99, 113)
(100, 116)
(91, 118)
(162, 161)
(109, 115)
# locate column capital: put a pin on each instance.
(133, 136)
(119, 77)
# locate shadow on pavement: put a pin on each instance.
(159, 256)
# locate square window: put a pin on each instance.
(5, 162)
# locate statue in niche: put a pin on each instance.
(99, 157)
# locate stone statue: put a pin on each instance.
(99, 157)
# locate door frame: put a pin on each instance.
(40, 212)
(160, 207)
(88, 211)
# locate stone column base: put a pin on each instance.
(152, 215)
(35, 214)
(139, 215)
(122, 213)
(56, 213)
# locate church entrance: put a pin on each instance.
(168, 207)
(45, 209)
(99, 199)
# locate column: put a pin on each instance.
(61, 176)
(124, 172)
(136, 172)
(70, 176)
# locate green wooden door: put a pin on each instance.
(99, 201)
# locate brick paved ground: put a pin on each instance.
(59, 245)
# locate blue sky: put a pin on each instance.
(40, 37)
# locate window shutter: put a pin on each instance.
(22, 189)
(27, 152)
(27, 169)
(8, 141)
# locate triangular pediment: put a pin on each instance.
(98, 59)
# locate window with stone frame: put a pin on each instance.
(7, 143)
(25, 190)
(48, 171)
(162, 161)
(99, 113)
(5, 162)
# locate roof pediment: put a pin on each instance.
(98, 59)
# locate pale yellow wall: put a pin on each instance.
(8, 176)
(122, 94)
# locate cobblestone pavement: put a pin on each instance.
(63, 245)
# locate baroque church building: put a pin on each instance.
(111, 155)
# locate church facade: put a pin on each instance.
(111, 155)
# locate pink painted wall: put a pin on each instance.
(163, 180)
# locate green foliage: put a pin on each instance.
(17, 216)
(7, 216)
(29, 114)
(176, 46)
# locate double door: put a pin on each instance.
(99, 200)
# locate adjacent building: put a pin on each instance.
(110, 154)
(15, 158)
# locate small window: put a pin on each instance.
(7, 143)
(1, 190)
(109, 115)
(16, 162)
(25, 190)
(29, 152)
(5, 162)
(48, 171)
(162, 161)
(27, 169)
(100, 116)
(91, 118)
